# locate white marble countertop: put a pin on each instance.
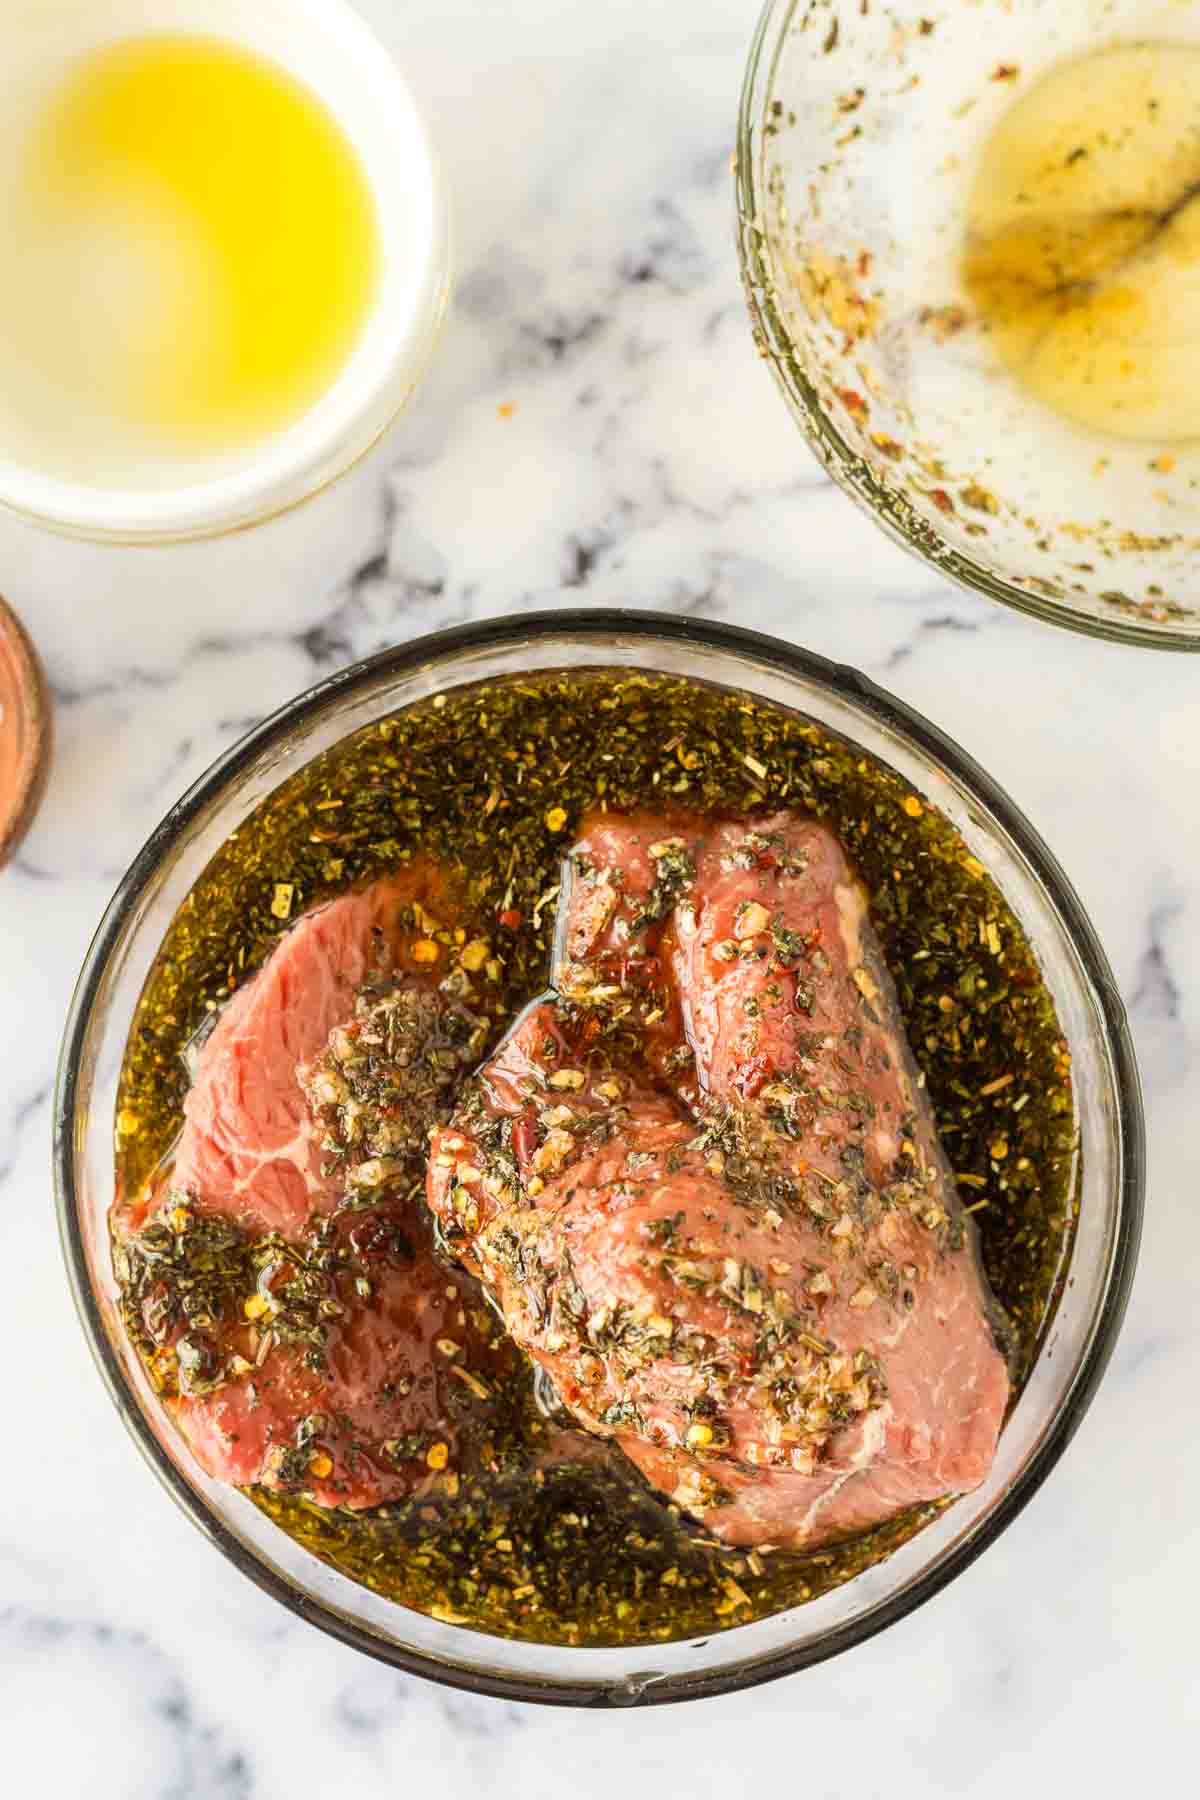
(647, 460)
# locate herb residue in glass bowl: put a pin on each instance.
(491, 780)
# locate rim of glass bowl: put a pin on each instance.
(887, 506)
(605, 629)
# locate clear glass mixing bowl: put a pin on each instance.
(860, 130)
(1109, 1173)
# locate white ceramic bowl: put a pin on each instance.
(326, 45)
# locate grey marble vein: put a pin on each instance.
(88, 1707)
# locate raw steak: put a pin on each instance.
(753, 1272)
(344, 1369)
(248, 1143)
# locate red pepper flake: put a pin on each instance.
(751, 1076)
(853, 402)
(941, 500)
(511, 920)
(524, 1138)
(1005, 72)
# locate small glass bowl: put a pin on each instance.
(859, 131)
(1109, 1177)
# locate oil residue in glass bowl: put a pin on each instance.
(492, 779)
(1083, 241)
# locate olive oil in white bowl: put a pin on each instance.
(225, 249)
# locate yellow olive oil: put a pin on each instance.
(1082, 257)
(195, 250)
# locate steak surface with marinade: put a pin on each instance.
(704, 1185)
(283, 1269)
